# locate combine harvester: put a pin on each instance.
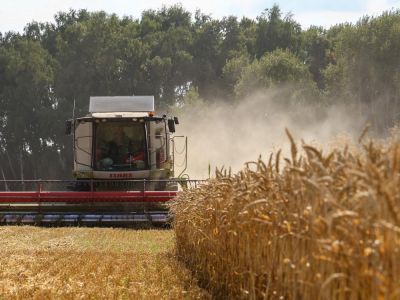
(123, 168)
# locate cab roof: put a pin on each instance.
(126, 104)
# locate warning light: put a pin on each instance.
(151, 113)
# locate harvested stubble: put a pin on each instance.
(323, 227)
(91, 263)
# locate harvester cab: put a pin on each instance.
(123, 169)
(121, 138)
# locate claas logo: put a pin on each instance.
(121, 175)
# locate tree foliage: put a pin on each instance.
(275, 69)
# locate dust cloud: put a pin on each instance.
(229, 134)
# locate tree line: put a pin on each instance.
(170, 53)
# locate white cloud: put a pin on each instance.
(326, 18)
(378, 6)
(15, 14)
(329, 18)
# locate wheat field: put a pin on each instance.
(92, 263)
(312, 225)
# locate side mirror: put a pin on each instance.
(68, 127)
(171, 125)
(176, 120)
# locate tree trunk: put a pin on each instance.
(11, 165)
(4, 179)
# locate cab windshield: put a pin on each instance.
(120, 146)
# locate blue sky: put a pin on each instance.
(14, 14)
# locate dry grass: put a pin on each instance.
(312, 226)
(91, 263)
